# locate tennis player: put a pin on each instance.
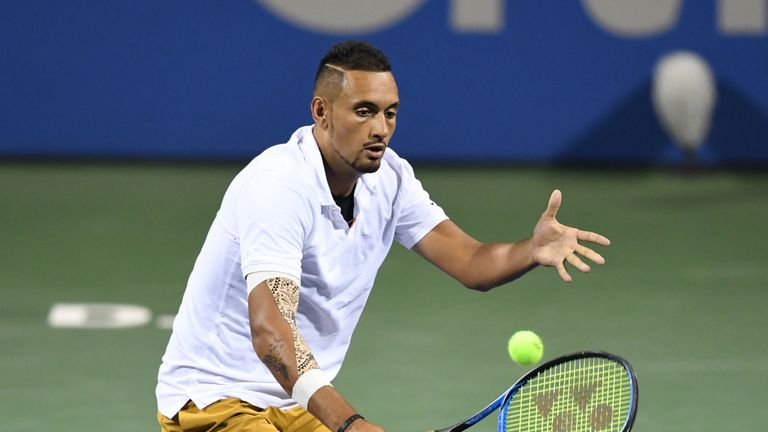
(282, 278)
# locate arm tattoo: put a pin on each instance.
(274, 360)
(286, 294)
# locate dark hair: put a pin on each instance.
(352, 55)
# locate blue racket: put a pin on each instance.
(584, 391)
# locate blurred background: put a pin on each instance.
(122, 122)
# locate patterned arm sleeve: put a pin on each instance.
(286, 294)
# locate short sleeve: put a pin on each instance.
(418, 213)
(273, 220)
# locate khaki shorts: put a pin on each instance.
(235, 415)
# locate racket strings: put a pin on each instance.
(588, 394)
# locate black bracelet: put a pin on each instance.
(349, 421)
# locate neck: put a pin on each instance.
(341, 186)
(341, 177)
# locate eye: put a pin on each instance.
(363, 112)
(390, 114)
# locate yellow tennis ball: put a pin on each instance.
(525, 347)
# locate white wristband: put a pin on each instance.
(308, 383)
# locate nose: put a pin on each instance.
(380, 128)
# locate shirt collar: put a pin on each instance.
(306, 141)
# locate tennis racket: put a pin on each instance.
(584, 391)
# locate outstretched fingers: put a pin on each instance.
(574, 260)
(593, 238)
(577, 262)
(590, 254)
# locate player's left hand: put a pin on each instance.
(555, 243)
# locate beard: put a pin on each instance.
(364, 165)
(361, 163)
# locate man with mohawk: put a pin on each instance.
(282, 278)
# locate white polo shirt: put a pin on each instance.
(278, 215)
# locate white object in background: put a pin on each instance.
(684, 96)
(98, 315)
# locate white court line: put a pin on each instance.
(98, 315)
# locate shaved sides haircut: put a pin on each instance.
(347, 56)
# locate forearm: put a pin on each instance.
(330, 407)
(272, 308)
(493, 264)
(476, 265)
(274, 348)
(277, 342)
(274, 345)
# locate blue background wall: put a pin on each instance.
(224, 79)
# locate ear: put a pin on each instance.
(320, 110)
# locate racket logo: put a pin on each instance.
(564, 423)
(545, 401)
(583, 393)
(600, 416)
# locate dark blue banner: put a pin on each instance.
(480, 80)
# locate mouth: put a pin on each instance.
(375, 151)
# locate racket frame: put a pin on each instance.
(505, 398)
